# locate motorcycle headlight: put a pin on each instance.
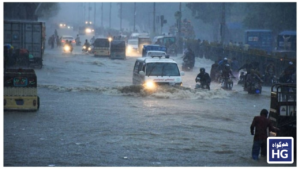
(67, 48)
(149, 85)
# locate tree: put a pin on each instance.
(274, 16)
(27, 11)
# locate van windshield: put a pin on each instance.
(133, 42)
(101, 43)
(162, 69)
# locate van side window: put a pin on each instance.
(136, 67)
(140, 67)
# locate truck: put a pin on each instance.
(28, 35)
(283, 111)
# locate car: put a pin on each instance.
(153, 71)
(132, 46)
(67, 37)
(154, 53)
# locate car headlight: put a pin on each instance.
(67, 48)
(149, 85)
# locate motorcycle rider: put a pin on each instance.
(222, 63)
(189, 57)
(77, 40)
(270, 70)
(251, 67)
(214, 70)
(86, 43)
(204, 78)
(288, 73)
(226, 72)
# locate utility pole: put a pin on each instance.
(89, 9)
(179, 30)
(154, 18)
(134, 17)
(94, 14)
(121, 16)
(102, 15)
(109, 16)
(222, 30)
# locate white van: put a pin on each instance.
(152, 71)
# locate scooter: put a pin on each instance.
(227, 83)
(200, 85)
(253, 84)
(187, 65)
(86, 49)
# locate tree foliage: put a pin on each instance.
(274, 16)
(26, 11)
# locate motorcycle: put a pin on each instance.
(67, 48)
(187, 64)
(270, 79)
(242, 78)
(227, 83)
(86, 49)
(253, 84)
(201, 85)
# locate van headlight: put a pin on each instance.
(129, 48)
(84, 47)
(149, 85)
(89, 48)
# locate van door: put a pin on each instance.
(137, 78)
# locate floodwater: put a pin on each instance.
(91, 115)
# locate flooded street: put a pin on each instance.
(91, 115)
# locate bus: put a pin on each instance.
(259, 39)
(102, 46)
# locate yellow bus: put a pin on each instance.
(20, 90)
(102, 47)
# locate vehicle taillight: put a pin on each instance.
(63, 41)
(34, 102)
(73, 41)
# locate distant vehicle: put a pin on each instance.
(28, 35)
(154, 53)
(118, 49)
(101, 47)
(283, 111)
(20, 90)
(151, 72)
(64, 38)
(259, 39)
(147, 48)
(132, 46)
(143, 40)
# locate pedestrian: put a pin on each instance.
(260, 124)
(52, 41)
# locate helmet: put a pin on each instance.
(290, 63)
(225, 58)
(202, 70)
